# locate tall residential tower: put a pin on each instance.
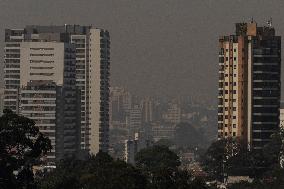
(249, 84)
(92, 51)
(48, 94)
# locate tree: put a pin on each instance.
(161, 167)
(21, 145)
(156, 157)
(272, 151)
(164, 142)
(99, 171)
(228, 156)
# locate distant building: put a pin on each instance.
(163, 130)
(132, 146)
(147, 107)
(249, 84)
(120, 105)
(173, 114)
(135, 120)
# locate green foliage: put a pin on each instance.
(156, 157)
(21, 145)
(232, 157)
(100, 172)
(161, 167)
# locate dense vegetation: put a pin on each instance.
(230, 157)
(21, 145)
(157, 167)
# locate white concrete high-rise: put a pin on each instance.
(92, 49)
(48, 94)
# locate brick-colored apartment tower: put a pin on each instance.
(249, 84)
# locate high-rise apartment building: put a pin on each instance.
(249, 84)
(173, 113)
(147, 107)
(48, 94)
(92, 49)
(134, 120)
(120, 105)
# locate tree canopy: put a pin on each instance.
(99, 171)
(21, 146)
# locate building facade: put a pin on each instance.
(173, 113)
(134, 120)
(281, 117)
(92, 50)
(1, 101)
(249, 84)
(48, 94)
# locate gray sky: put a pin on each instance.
(158, 47)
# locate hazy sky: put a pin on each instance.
(158, 47)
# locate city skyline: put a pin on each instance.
(146, 94)
(166, 44)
